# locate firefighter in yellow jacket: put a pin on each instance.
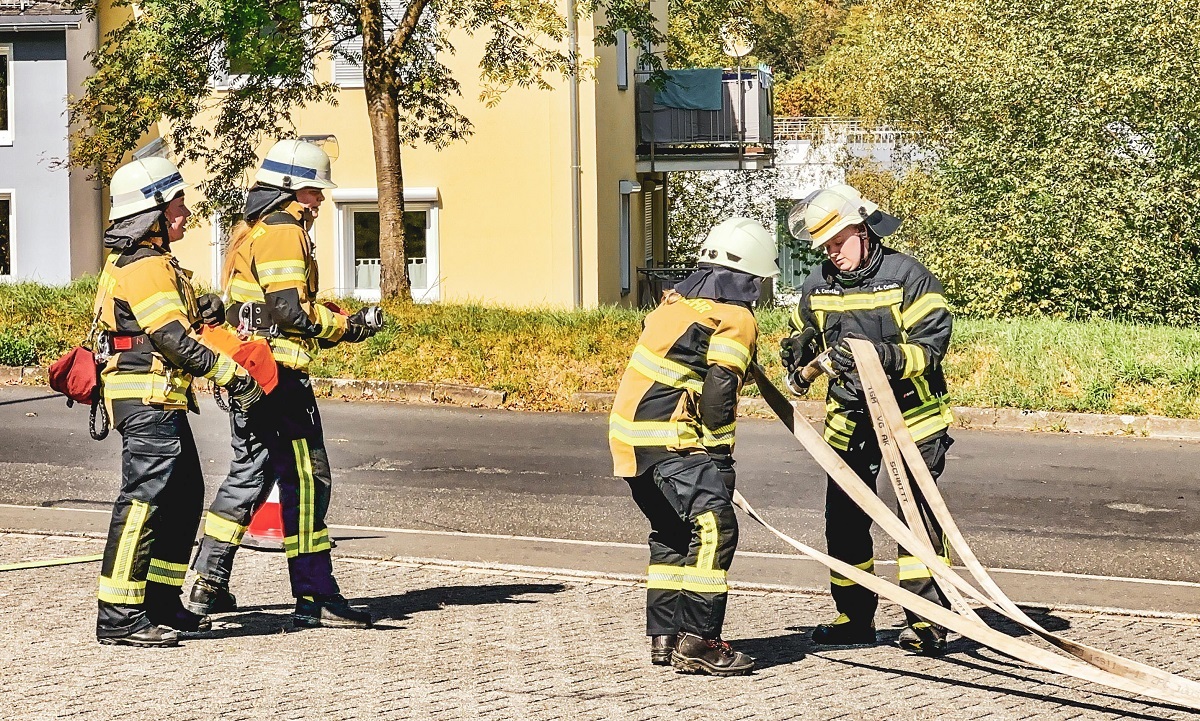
(148, 315)
(271, 282)
(671, 433)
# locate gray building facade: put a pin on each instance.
(50, 223)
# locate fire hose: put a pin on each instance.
(898, 448)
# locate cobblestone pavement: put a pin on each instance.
(465, 643)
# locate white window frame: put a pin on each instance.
(348, 200)
(349, 68)
(10, 194)
(227, 81)
(6, 136)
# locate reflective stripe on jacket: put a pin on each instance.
(680, 389)
(901, 303)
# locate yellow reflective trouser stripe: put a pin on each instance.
(307, 496)
(125, 593)
(317, 542)
(723, 436)
(651, 433)
(838, 579)
(223, 529)
(914, 359)
(664, 578)
(910, 569)
(290, 353)
(222, 371)
(856, 301)
(838, 430)
(665, 371)
(244, 291)
(147, 387)
(119, 588)
(131, 536)
(699, 580)
(171, 574)
(922, 307)
(729, 352)
(708, 540)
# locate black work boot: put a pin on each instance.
(178, 618)
(208, 597)
(923, 637)
(328, 611)
(164, 608)
(148, 636)
(709, 655)
(844, 632)
(661, 648)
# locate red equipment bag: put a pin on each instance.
(75, 376)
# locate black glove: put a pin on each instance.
(356, 332)
(212, 310)
(890, 355)
(797, 351)
(724, 463)
(244, 390)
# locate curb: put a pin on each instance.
(996, 419)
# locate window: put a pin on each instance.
(6, 94)
(347, 62)
(6, 209)
(265, 37)
(359, 245)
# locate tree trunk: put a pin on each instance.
(389, 179)
(384, 114)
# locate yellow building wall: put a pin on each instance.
(504, 194)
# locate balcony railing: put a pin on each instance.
(840, 130)
(741, 128)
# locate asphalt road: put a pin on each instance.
(1107, 506)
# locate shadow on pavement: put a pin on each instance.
(257, 621)
(999, 688)
(771, 651)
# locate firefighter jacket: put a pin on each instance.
(147, 315)
(680, 390)
(896, 301)
(275, 268)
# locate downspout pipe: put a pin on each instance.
(576, 165)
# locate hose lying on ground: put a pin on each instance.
(1090, 665)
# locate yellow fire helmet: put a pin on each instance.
(824, 214)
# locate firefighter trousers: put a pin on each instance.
(154, 520)
(848, 527)
(279, 440)
(693, 536)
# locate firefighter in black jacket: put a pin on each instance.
(148, 314)
(867, 290)
(671, 433)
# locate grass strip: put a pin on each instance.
(543, 356)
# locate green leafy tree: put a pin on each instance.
(159, 65)
(1061, 147)
(787, 34)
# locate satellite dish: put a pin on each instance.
(734, 42)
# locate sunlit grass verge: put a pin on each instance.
(543, 356)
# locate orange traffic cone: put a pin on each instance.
(265, 532)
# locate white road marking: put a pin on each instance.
(616, 544)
